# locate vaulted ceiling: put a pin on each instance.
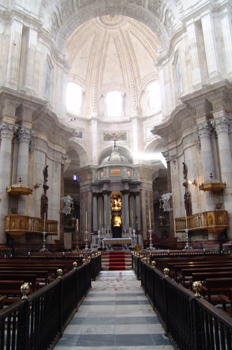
(113, 52)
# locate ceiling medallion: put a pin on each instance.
(111, 20)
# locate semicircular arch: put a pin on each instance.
(66, 19)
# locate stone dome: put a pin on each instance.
(115, 159)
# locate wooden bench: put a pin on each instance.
(26, 277)
(214, 287)
(227, 300)
(185, 276)
(10, 291)
(179, 274)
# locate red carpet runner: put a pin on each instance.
(118, 260)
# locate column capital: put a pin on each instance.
(221, 124)
(8, 130)
(24, 134)
(204, 129)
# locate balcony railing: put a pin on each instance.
(18, 225)
(213, 221)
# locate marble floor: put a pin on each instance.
(115, 316)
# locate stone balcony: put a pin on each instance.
(18, 225)
(213, 221)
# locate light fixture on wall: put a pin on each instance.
(74, 177)
(192, 182)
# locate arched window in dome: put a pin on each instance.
(114, 103)
(73, 98)
(154, 95)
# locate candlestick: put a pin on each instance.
(44, 220)
(86, 220)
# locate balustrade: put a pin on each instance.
(213, 221)
(18, 225)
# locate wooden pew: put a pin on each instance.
(26, 277)
(214, 287)
(41, 276)
(227, 300)
(2, 298)
(10, 290)
(186, 274)
(178, 269)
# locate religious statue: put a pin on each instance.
(45, 174)
(165, 199)
(68, 203)
(185, 171)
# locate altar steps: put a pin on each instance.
(116, 260)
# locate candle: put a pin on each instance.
(186, 219)
(100, 219)
(44, 220)
(86, 220)
(149, 219)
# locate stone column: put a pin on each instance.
(193, 51)
(24, 136)
(227, 38)
(95, 216)
(100, 212)
(12, 73)
(133, 212)
(7, 133)
(106, 210)
(210, 47)
(29, 84)
(204, 131)
(171, 214)
(63, 160)
(137, 201)
(125, 210)
(222, 128)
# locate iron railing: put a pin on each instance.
(190, 322)
(39, 321)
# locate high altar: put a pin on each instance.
(116, 201)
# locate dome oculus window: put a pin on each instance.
(154, 95)
(73, 98)
(114, 103)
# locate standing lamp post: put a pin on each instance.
(187, 246)
(43, 249)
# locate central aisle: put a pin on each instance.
(115, 316)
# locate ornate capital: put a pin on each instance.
(8, 130)
(221, 124)
(204, 129)
(24, 134)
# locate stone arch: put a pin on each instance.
(72, 16)
(80, 151)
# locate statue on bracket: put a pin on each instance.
(44, 198)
